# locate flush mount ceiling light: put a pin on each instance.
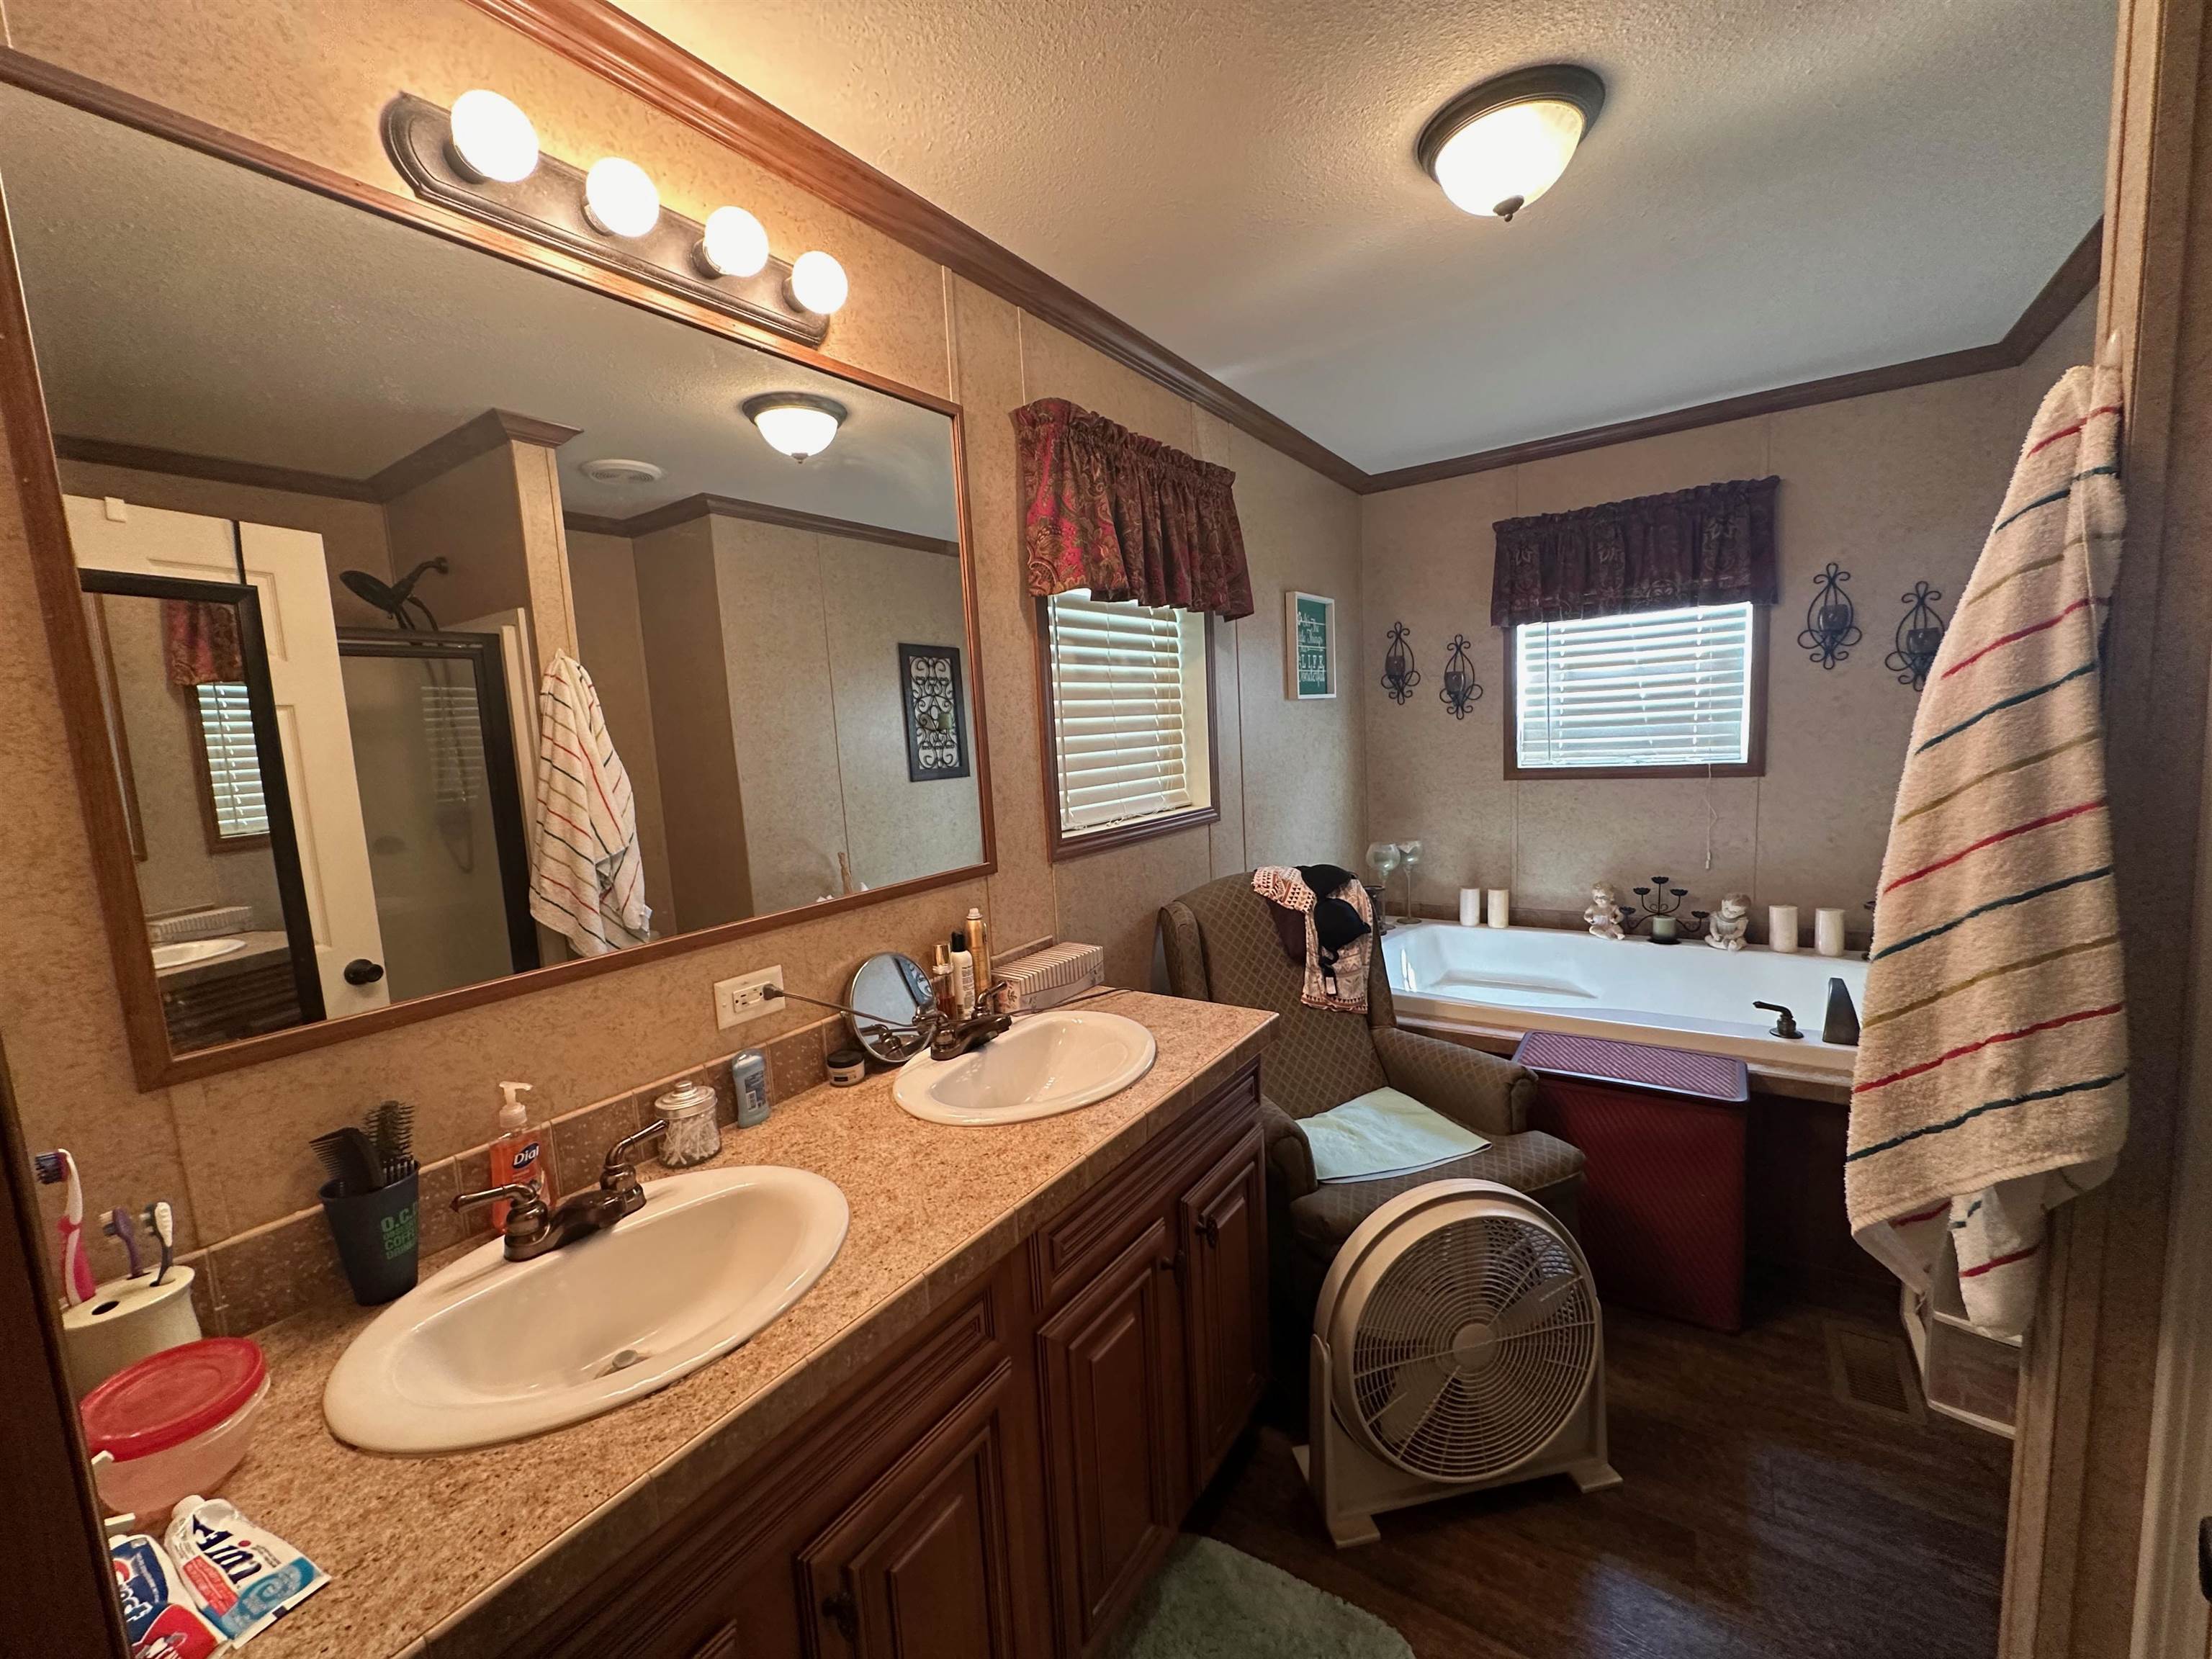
(798, 423)
(1498, 146)
(492, 139)
(733, 243)
(619, 197)
(620, 469)
(818, 282)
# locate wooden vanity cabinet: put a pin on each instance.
(1003, 1483)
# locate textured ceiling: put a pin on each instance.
(1778, 189)
(179, 302)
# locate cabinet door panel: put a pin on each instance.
(919, 1568)
(1224, 1237)
(1114, 1445)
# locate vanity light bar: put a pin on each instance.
(555, 203)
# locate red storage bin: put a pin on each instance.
(1662, 1133)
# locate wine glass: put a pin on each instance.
(1409, 855)
(1383, 856)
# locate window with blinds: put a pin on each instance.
(1129, 708)
(1661, 689)
(236, 809)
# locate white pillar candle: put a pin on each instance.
(1501, 908)
(1470, 907)
(1829, 933)
(1663, 929)
(1781, 928)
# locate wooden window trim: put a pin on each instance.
(1061, 846)
(1753, 766)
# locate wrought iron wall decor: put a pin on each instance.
(1918, 634)
(1830, 621)
(936, 712)
(1461, 690)
(1399, 677)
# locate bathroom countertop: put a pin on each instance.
(441, 1556)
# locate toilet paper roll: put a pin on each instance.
(126, 1320)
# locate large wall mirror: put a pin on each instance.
(340, 489)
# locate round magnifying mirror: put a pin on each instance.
(888, 991)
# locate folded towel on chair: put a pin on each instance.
(1338, 927)
(1383, 1133)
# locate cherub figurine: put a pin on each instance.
(1729, 923)
(1604, 914)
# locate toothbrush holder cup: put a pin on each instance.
(376, 1234)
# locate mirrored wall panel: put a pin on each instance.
(453, 619)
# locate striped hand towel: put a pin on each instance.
(1990, 1080)
(589, 881)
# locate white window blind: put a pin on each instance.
(1665, 688)
(233, 768)
(1128, 710)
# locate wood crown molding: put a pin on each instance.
(706, 506)
(465, 442)
(648, 66)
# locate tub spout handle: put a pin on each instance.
(1842, 1024)
(1786, 1023)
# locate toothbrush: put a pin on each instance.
(117, 1227)
(162, 1222)
(77, 1283)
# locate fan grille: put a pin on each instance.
(1475, 1347)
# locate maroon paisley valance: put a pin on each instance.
(1126, 516)
(1710, 545)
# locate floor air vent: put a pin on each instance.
(1872, 1371)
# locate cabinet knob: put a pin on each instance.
(1209, 1229)
(843, 1611)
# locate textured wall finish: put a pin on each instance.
(1895, 488)
(309, 76)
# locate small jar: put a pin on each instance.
(693, 1136)
(846, 1067)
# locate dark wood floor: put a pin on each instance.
(1759, 1516)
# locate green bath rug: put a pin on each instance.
(1210, 1602)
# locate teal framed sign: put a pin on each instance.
(1308, 647)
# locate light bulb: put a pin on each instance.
(619, 197)
(796, 423)
(734, 243)
(1499, 162)
(492, 139)
(818, 282)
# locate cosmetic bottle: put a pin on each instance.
(963, 975)
(979, 947)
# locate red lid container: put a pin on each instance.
(172, 1397)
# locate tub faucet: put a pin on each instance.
(1786, 1023)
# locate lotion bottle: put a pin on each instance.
(963, 975)
(518, 1156)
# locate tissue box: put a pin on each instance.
(1046, 978)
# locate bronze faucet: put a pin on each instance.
(531, 1230)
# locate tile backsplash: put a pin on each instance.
(290, 1265)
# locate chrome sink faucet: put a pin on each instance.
(533, 1230)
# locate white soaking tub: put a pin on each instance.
(1507, 981)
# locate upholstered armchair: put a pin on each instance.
(1221, 945)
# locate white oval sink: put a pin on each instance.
(489, 1350)
(1050, 1062)
(194, 950)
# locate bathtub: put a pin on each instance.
(1507, 981)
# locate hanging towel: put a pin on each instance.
(1339, 930)
(589, 883)
(1990, 1079)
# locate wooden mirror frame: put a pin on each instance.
(37, 475)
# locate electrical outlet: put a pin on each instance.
(737, 1000)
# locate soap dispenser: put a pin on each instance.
(518, 1157)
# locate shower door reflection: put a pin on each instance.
(441, 806)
